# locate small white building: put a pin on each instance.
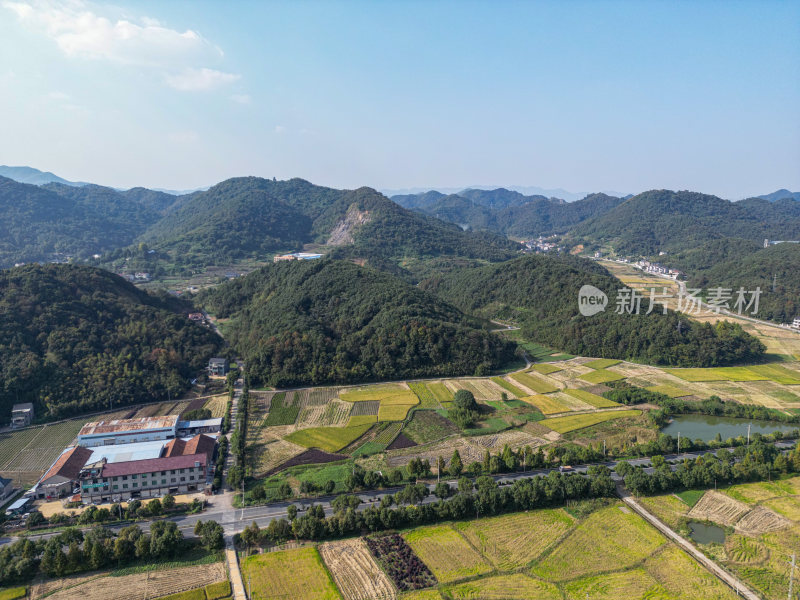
(796, 323)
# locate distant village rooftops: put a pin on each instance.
(297, 256)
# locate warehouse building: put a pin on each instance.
(128, 431)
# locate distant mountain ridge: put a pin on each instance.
(33, 176)
(780, 195)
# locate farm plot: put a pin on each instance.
(601, 376)
(517, 586)
(400, 562)
(777, 373)
(606, 537)
(140, 585)
(788, 506)
(271, 454)
(536, 384)
(546, 368)
(397, 393)
(333, 414)
(636, 583)
(217, 405)
(356, 420)
(601, 363)
(446, 554)
(719, 508)
(574, 422)
(440, 392)
(330, 439)
(591, 399)
(761, 520)
(355, 571)
(11, 443)
(682, 577)
(513, 541)
(483, 389)
(426, 398)
(717, 374)
(282, 410)
(428, 426)
(298, 574)
(322, 395)
(509, 387)
(548, 405)
(669, 508)
(673, 391)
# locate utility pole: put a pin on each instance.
(250, 586)
(791, 575)
(604, 449)
(679, 442)
(748, 435)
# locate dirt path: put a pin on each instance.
(730, 580)
(237, 585)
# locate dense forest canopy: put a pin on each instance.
(541, 294)
(75, 339)
(507, 212)
(331, 321)
(662, 220)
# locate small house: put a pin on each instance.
(218, 366)
(21, 415)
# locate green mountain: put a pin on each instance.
(508, 212)
(60, 221)
(32, 176)
(662, 220)
(331, 321)
(774, 270)
(75, 339)
(251, 217)
(540, 293)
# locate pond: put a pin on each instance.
(706, 427)
(703, 533)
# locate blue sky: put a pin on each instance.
(586, 96)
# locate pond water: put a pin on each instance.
(703, 533)
(706, 428)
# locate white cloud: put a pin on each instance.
(241, 98)
(199, 80)
(58, 96)
(81, 32)
(280, 129)
(184, 137)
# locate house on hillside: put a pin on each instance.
(218, 366)
(796, 323)
(21, 415)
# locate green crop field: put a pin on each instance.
(282, 410)
(601, 363)
(426, 397)
(297, 574)
(331, 439)
(601, 376)
(355, 421)
(591, 399)
(777, 373)
(440, 392)
(546, 368)
(573, 422)
(672, 391)
(446, 553)
(509, 387)
(535, 383)
(428, 426)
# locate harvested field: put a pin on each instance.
(761, 520)
(482, 389)
(595, 544)
(673, 391)
(535, 383)
(601, 363)
(297, 574)
(400, 562)
(355, 571)
(333, 414)
(719, 508)
(330, 439)
(142, 585)
(591, 399)
(574, 422)
(217, 405)
(514, 540)
(601, 376)
(268, 455)
(446, 553)
(401, 441)
(717, 374)
(390, 393)
(509, 387)
(517, 586)
(309, 457)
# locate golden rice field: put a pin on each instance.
(298, 574)
(591, 399)
(546, 368)
(517, 586)
(548, 405)
(535, 383)
(394, 393)
(447, 554)
(573, 422)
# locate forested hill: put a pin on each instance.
(541, 294)
(775, 270)
(662, 220)
(331, 321)
(44, 224)
(251, 217)
(507, 212)
(75, 339)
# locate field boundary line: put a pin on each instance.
(727, 578)
(235, 574)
